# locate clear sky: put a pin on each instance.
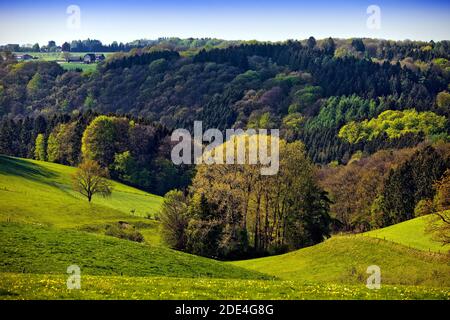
(31, 21)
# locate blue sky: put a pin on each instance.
(25, 21)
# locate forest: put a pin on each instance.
(364, 133)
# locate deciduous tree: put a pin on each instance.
(91, 179)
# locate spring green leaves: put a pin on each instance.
(394, 124)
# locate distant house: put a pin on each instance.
(23, 57)
(99, 57)
(89, 58)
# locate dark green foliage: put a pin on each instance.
(411, 182)
(141, 59)
(358, 44)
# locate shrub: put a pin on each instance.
(123, 230)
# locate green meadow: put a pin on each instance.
(59, 57)
(45, 227)
(410, 233)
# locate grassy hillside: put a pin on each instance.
(41, 192)
(345, 259)
(24, 247)
(41, 223)
(410, 233)
(43, 226)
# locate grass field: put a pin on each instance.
(59, 57)
(71, 66)
(344, 259)
(43, 230)
(24, 245)
(40, 192)
(36, 286)
(410, 233)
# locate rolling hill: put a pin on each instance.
(43, 217)
(40, 192)
(24, 246)
(410, 233)
(344, 259)
(45, 227)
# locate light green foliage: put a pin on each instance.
(263, 121)
(44, 236)
(339, 110)
(174, 219)
(158, 66)
(394, 124)
(291, 79)
(35, 83)
(294, 121)
(307, 96)
(71, 66)
(443, 100)
(39, 148)
(90, 101)
(60, 146)
(104, 137)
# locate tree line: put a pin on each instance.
(387, 187)
(308, 89)
(134, 151)
(232, 211)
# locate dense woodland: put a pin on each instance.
(364, 127)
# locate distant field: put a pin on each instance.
(70, 66)
(59, 57)
(409, 233)
(50, 56)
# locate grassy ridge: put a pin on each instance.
(40, 192)
(345, 259)
(410, 233)
(36, 286)
(44, 250)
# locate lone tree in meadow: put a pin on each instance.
(90, 179)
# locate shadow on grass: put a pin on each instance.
(4, 292)
(19, 167)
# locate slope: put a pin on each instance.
(410, 233)
(344, 259)
(36, 249)
(41, 223)
(40, 192)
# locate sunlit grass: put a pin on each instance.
(41, 192)
(35, 286)
(344, 259)
(410, 233)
